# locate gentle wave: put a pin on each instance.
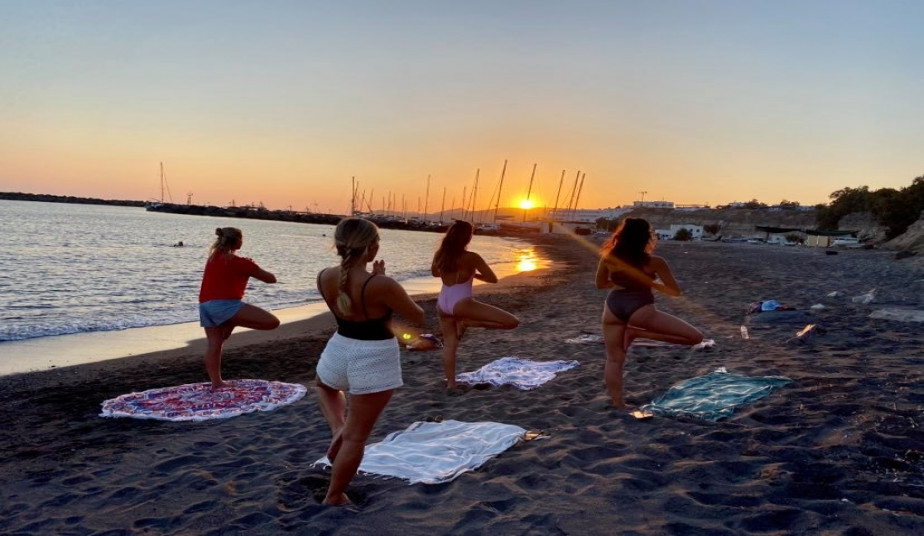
(87, 268)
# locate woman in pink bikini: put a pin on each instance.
(457, 309)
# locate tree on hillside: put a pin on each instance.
(896, 210)
(789, 205)
(843, 202)
(753, 203)
(893, 209)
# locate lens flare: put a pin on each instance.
(527, 204)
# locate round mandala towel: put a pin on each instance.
(197, 401)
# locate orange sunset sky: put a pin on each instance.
(282, 102)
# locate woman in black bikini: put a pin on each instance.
(628, 267)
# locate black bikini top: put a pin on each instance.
(371, 329)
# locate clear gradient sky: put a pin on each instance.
(282, 102)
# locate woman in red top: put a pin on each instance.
(221, 308)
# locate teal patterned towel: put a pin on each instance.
(715, 395)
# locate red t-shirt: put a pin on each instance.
(226, 277)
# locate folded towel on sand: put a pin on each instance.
(586, 339)
(715, 395)
(650, 343)
(197, 401)
(435, 452)
(780, 317)
(521, 373)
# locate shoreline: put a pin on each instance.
(837, 451)
(52, 352)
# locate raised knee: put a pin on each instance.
(272, 324)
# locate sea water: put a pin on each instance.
(70, 269)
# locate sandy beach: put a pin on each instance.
(840, 450)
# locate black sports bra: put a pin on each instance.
(371, 329)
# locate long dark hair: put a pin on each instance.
(453, 245)
(632, 242)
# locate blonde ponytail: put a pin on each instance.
(227, 241)
(352, 237)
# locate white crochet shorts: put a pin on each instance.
(360, 367)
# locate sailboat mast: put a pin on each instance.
(161, 182)
(443, 206)
(581, 187)
(474, 195)
(427, 199)
(353, 197)
(529, 190)
(464, 200)
(573, 188)
(560, 182)
(497, 203)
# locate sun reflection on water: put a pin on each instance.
(527, 260)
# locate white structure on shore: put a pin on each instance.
(652, 204)
(586, 215)
(668, 234)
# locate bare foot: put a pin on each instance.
(342, 500)
(335, 445)
(621, 404)
(220, 385)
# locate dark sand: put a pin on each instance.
(838, 451)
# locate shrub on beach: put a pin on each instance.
(683, 235)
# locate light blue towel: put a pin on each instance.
(523, 374)
(715, 395)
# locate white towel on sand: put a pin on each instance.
(521, 373)
(436, 452)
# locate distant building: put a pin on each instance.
(586, 215)
(668, 234)
(653, 204)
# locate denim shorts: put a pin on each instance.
(214, 313)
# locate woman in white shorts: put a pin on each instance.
(362, 358)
